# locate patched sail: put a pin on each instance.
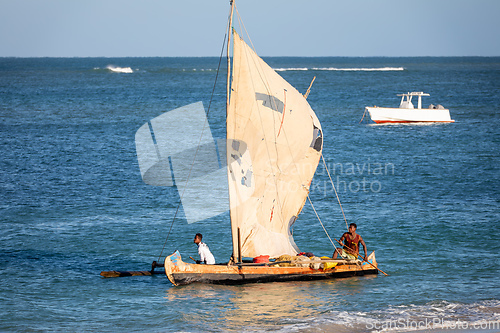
(273, 148)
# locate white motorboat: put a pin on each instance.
(407, 113)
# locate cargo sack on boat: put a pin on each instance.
(260, 259)
(315, 265)
(301, 261)
(285, 257)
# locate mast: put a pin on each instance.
(231, 2)
(235, 256)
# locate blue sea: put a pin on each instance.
(426, 199)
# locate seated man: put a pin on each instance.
(206, 257)
(351, 244)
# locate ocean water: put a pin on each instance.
(426, 198)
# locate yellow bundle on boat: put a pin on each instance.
(328, 265)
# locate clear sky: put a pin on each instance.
(124, 28)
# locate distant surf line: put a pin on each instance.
(361, 69)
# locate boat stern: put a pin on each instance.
(371, 264)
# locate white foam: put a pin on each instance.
(119, 69)
(290, 69)
(340, 69)
(376, 69)
(458, 317)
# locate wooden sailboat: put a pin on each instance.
(274, 144)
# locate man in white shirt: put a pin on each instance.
(206, 257)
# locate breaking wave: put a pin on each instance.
(199, 69)
(482, 316)
(375, 69)
(119, 69)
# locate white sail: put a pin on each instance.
(273, 148)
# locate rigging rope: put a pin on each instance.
(197, 148)
(334, 189)
(315, 212)
(362, 117)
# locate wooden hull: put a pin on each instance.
(181, 273)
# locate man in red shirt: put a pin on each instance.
(351, 241)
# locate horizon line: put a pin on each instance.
(264, 56)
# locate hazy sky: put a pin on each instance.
(122, 28)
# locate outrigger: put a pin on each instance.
(273, 146)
